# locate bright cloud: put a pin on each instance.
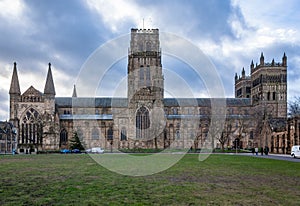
(119, 12)
(12, 10)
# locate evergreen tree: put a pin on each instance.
(75, 142)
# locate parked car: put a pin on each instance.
(76, 151)
(295, 151)
(65, 151)
(97, 150)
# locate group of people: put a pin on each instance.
(262, 150)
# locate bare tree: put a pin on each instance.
(226, 132)
(216, 130)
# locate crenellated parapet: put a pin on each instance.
(271, 65)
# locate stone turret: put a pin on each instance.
(252, 65)
(243, 73)
(15, 86)
(49, 86)
(284, 60)
(262, 59)
(15, 95)
(51, 129)
(236, 77)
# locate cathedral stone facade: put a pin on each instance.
(145, 119)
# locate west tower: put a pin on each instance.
(269, 86)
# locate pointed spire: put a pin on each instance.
(74, 92)
(262, 59)
(236, 77)
(49, 86)
(251, 66)
(284, 60)
(243, 72)
(14, 85)
(273, 62)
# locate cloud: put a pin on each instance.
(65, 33)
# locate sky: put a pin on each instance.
(230, 33)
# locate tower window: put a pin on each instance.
(248, 90)
(239, 92)
(141, 47)
(175, 111)
(274, 95)
(148, 46)
(148, 76)
(142, 79)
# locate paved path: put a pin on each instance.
(274, 156)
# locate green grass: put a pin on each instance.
(219, 180)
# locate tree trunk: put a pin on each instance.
(222, 146)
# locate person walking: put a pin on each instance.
(256, 150)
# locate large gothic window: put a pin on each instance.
(63, 137)
(142, 122)
(31, 128)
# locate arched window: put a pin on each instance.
(31, 128)
(166, 111)
(141, 46)
(142, 122)
(175, 111)
(123, 134)
(63, 138)
(95, 134)
(148, 46)
(251, 134)
(80, 134)
(177, 134)
(142, 79)
(148, 78)
(110, 134)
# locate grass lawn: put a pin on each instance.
(78, 180)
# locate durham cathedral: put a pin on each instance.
(256, 117)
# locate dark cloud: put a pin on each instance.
(63, 32)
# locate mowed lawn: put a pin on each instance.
(78, 180)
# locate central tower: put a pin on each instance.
(144, 63)
(145, 81)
